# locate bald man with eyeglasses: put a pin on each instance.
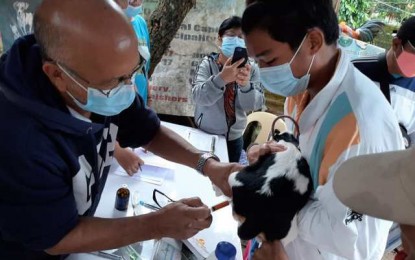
(66, 96)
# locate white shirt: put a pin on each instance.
(343, 120)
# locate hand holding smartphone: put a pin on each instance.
(238, 72)
(238, 54)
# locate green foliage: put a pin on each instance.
(354, 12)
(392, 12)
(384, 39)
(395, 10)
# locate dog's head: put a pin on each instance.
(20, 7)
(286, 137)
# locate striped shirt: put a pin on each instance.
(343, 120)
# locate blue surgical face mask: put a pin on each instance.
(280, 79)
(230, 43)
(110, 103)
(132, 11)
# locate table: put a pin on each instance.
(185, 182)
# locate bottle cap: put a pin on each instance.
(122, 198)
(225, 251)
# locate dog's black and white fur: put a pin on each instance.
(268, 193)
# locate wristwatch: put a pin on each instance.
(203, 159)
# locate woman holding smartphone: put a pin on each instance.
(224, 91)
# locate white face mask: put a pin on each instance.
(280, 79)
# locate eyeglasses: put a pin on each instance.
(113, 85)
(161, 199)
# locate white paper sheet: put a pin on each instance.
(149, 173)
(200, 140)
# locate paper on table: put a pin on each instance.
(150, 158)
(149, 173)
(197, 245)
(202, 141)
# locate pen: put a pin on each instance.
(149, 206)
(212, 147)
(139, 167)
(220, 205)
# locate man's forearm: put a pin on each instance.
(93, 234)
(171, 146)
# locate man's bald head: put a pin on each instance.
(64, 26)
(87, 43)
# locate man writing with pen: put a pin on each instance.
(66, 94)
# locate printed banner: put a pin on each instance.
(16, 20)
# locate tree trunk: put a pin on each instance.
(336, 5)
(164, 23)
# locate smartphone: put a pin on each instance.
(238, 54)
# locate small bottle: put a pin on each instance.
(224, 251)
(122, 198)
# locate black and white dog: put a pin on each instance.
(270, 192)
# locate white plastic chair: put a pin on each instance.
(265, 121)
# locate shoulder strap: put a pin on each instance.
(384, 78)
(211, 59)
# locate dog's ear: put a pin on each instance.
(16, 6)
(25, 5)
(249, 229)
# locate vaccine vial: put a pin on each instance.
(122, 198)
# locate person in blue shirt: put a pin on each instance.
(66, 95)
(133, 9)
